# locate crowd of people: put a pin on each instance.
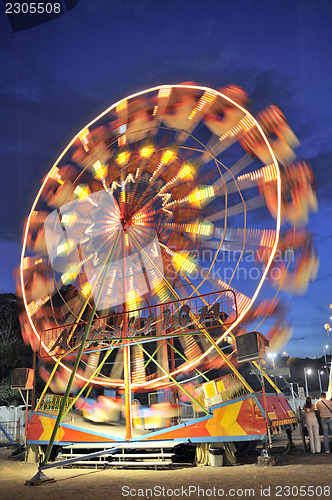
(318, 414)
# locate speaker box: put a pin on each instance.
(251, 346)
(22, 378)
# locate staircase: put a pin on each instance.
(157, 454)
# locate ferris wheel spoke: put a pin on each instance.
(238, 208)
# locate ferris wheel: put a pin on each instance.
(160, 203)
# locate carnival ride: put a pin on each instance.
(143, 256)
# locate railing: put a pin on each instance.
(51, 403)
(198, 394)
(219, 390)
(230, 387)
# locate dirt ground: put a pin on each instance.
(296, 476)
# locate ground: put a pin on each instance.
(244, 481)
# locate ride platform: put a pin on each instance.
(240, 419)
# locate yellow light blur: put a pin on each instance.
(201, 194)
(65, 248)
(71, 274)
(122, 105)
(131, 300)
(204, 229)
(99, 170)
(86, 289)
(167, 156)
(67, 219)
(327, 326)
(123, 158)
(82, 190)
(183, 262)
(146, 152)
(185, 171)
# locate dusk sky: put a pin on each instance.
(58, 76)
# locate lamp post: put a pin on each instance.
(328, 329)
(320, 372)
(326, 364)
(272, 356)
(307, 371)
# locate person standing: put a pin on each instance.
(325, 409)
(312, 426)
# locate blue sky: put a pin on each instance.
(58, 76)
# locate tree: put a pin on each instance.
(9, 396)
(13, 352)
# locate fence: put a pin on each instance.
(12, 420)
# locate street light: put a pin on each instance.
(272, 356)
(307, 371)
(326, 364)
(320, 372)
(328, 329)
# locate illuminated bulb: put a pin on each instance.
(54, 174)
(65, 248)
(86, 289)
(122, 140)
(123, 192)
(71, 274)
(185, 171)
(162, 292)
(204, 229)
(146, 152)
(123, 158)
(164, 92)
(83, 137)
(201, 194)
(131, 300)
(67, 219)
(182, 262)
(122, 105)
(82, 190)
(99, 170)
(167, 155)
(207, 97)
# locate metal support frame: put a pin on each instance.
(174, 381)
(103, 271)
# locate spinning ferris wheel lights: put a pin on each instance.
(177, 168)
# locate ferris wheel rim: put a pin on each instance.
(267, 267)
